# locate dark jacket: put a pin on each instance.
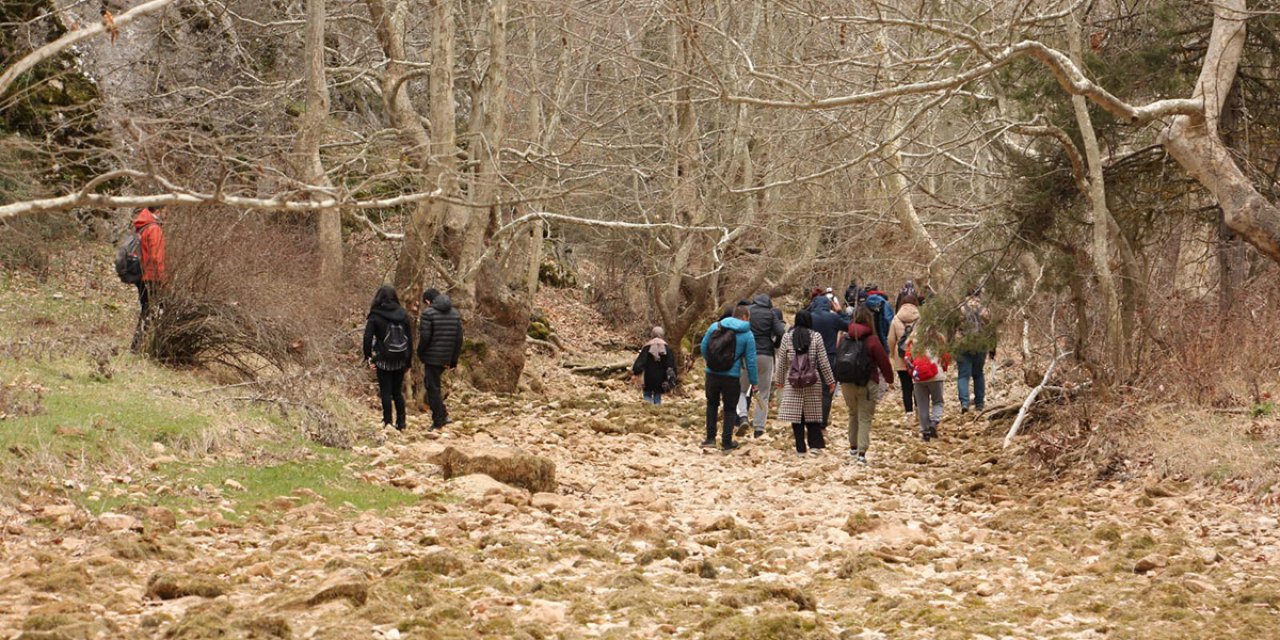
(375, 330)
(440, 334)
(653, 369)
(875, 349)
(767, 327)
(827, 323)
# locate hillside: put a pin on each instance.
(143, 502)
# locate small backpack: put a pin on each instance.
(922, 368)
(129, 258)
(395, 345)
(906, 335)
(722, 349)
(801, 373)
(853, 362)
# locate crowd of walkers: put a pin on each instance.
(856, 347)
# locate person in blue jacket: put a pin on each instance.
(882, 311)
(827, 323)
(723, 387)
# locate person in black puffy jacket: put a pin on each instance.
(439, 347)
(389, 352)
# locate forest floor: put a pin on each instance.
(138, 506)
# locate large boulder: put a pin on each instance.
(509, 466)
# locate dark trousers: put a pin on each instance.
(722, 391)
(391, 391)
(144, 314)
(808, 435)
(439, 415)
(904, 380)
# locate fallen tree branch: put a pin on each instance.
(542, 343)
(1031, 398)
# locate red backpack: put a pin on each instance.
(922, 368)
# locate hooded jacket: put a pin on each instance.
(153, 264)
(827, 323)
(375, 331)
(909, 314)
(878, 303)
(745, 350)
(440, 334)
(875, 349)
(766, 326)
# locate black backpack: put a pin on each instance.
(853, 363)
(129, 258)
(722, 349)
(906, 335)
(395, 345)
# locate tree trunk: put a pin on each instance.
(1194, 141)
(1100, 219)
(307, 163)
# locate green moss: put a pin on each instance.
(773, 627)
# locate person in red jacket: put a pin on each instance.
(154, 273)
(861, 400)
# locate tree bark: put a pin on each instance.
(1195, 143)
(1100, 220)
(307, 162)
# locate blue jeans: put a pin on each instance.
(971, 365)
(653, 397)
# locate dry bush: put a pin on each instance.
(241, 295)
(1203, 355)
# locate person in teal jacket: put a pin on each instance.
(723, 387)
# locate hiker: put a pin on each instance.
(928, 373)
(154, 270)
(863, 356)
(654, 367)
(852, 293)
(727, 346)
(908, 289)
(767, 328)
(803, 373)
(828, 324)
(388, 349)
(904, 324)
(439, 346)
(973, 360)
(882, 312)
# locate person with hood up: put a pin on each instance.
(767, 328)
(154, 269)
(852, 294)
(388, 348)
(900, 330)
(878, 302)
(804, 375)
(439, 347)
(828, 324)
(861, 400)
(723, 386)
(653, 363)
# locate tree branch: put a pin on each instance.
(27, 62)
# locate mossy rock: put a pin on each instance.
(768, 627)
(169, 586)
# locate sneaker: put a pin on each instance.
(708, 444)
(759, 433)
(799, 454)
(861, 459)
(731, 446)
(964, 409)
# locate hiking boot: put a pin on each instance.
(759, 432)
(731, 446)
(708, 444)
(741, 429)
(964, 409)
(861, 459)
(400, 428)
